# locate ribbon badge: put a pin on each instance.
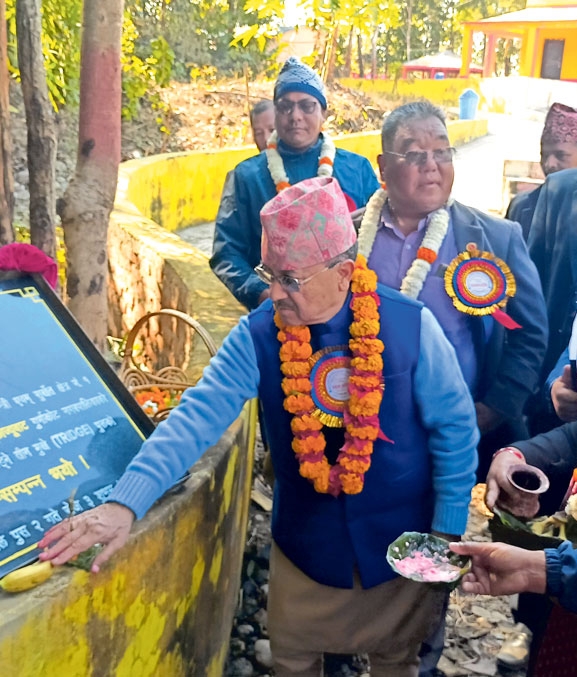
(330, 372)
(479, 283)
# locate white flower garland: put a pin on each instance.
(276, 164)
(414, 280)
(370, 222)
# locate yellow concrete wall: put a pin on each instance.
(443, 92)
(181, 189)
(164, 606)
(527, 56)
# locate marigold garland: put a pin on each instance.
(361, 414)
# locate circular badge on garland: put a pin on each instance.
(479, 283)
(330, 370)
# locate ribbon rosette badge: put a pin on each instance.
(330, 373)
(479, 283)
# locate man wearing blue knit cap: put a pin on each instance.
(296, 76)
(297, 150)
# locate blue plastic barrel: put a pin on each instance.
(468, 102)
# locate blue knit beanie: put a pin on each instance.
(295, 76)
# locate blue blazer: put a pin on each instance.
(553, 247)
(509, 361)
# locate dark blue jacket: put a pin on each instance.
(237, 235)
(522, 208)
(553, 247)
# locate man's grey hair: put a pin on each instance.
(349, 255)
(260, 107)
(417, 110)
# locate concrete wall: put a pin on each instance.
(180, 189)
(568, 33)
(164, 606)
(443, 92)
(150, 269)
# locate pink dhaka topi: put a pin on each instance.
(560, 125)
(306, 224)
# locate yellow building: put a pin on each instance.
(548, 33)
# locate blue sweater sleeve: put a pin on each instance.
(562, 574)
(203, 415)
(448, 413)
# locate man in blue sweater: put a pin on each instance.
(371, 428)
(301, 150)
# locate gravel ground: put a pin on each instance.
(476, 625)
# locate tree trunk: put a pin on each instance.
(409, 22)
(349, 54)
(6, 178)
(330, 72)
(89, 198)
(507, 58)
(374, 38)
(360, 55)
(41, 147)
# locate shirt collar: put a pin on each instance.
(387, 221)
(285, 149)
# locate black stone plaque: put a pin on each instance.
(68, 426)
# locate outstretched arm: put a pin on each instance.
(448, 414)
(502, 569)
(198, 422)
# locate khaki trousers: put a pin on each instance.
(307, 619)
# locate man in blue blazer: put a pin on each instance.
(414, 235)
(466, 267)
(558, 152)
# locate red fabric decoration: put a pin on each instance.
(25, 258)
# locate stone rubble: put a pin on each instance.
(476, 625)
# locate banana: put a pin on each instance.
(27, 577)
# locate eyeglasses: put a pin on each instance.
(288, 283)
(307, 106)
(419, 158)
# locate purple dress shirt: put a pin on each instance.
(391, 256)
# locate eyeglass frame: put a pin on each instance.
(301, 104)
(263, 274)
(424, 156)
